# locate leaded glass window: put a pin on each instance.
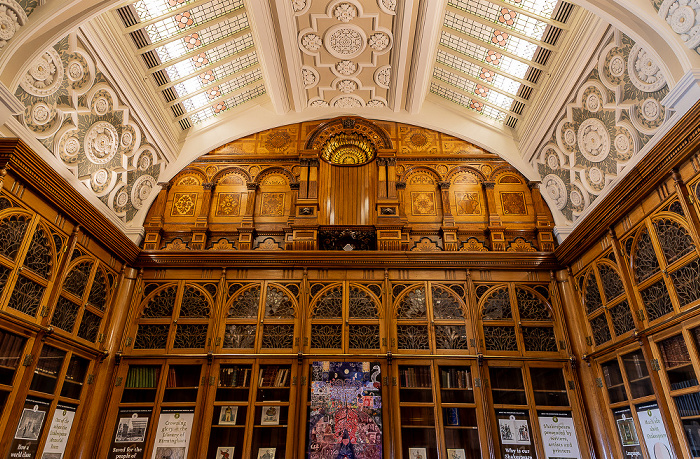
(241, 314)
(280, 312)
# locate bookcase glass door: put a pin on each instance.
(459, 412)
(11, 351)
(682, 382)
(271, 414)
(228, 423)
(417, 412)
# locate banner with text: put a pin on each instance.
(627, 431)
(59, 431)
(654, 431)
(173, 434)
(558, 435)
(129, 441)
(31, 423)
(515, 434)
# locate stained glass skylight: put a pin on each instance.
(201, 54)
(491, 54)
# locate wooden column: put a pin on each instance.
(543, 224)
(86, 448)
(449, 230)
(388, 222)
(154, 221)
(405, 230)
(199, 234)
(247, 228)
(288, 231)
(495, 227)
(61, 272)
(626, 276)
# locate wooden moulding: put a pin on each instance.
(364, 259)
(17, 157)
(682, 140)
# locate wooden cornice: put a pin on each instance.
(681, 141)
(16, 156)
(339, 259)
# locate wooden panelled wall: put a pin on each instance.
(425, 191)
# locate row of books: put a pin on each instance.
(234, 376)
(674, 352)
(454, 378)
(684, 384)
(415, 377)
(611, 378)
(142, 377)
(688, 404)
(11, 347)
(273, 376)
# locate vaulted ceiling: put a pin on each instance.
(548, 85)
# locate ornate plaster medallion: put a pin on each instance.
(594, 140)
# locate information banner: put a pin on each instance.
(31, 423)
(173, 434)
(558, 435)
(654, 431)
(627, 431)
(129, 441)
(59, 431)
(515, 435)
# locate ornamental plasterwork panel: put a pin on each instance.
(13, 15)
(615, 112)
(683, 16)
(345, 48)
(73, 109)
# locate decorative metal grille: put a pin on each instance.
(451, 337)
(12, 229)
(26, 296)
(376, 289)
(151, 336)
(326, 336)
(330, 305)
(601, 331)
(246, 304)
(211, 288)
(445, 304)
(194, 303)
(239, 336)
(645, 262)
(500, 338)
(278, 336)
(162, 304)
(480, 290)
(612, 284)
(98, 291)
(412, 337)
(4, 275)
(622, 319)
(278, 304)
(656, 300)
(364, 336)
(38, 257)
(413, 305)
(591, 296)
(233, 288)
(64, 314)
(315, 288)
(676, 208)
(77, 278)
(497, 305)
(89, 326)
(397, 289)
(5, 203)
(361, 305)
(190, 336)
(539, 339)
(673, 239)
(542, 290)
(687, 282)
(530, 306)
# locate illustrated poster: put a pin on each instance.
(515, 434)
(173, 434)
(627, 432)
(558, 435)
(654, 431)
(31, 423)
(130, 432)
(346, 411)
(59, 431)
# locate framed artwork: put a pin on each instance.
(228, 415)
(270, 416)
(30, 424)
(224, 452)
(417, 453)
(456, 454)
(266, 453)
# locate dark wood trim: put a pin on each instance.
(338, 259)
(682, 140)
(16, 156)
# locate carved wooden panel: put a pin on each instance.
(184, 205)
(228, 205)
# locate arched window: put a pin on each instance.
(517, 318)
(279, 316)
(241, 315)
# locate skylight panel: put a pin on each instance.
(477, 51)
(478, 71)
(467, 102)
(227, 104)
(503, 17)
(216, 91)
(213, 75)
(195, 64)
(477, 89)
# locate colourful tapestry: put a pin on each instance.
(345, 420)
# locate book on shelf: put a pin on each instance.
(688, 404)
(273, 376)
(674, 352)
(454, 378)
(415, 377)
(49, 365)
(11, 347)
(639, 367)
(234, 376)
(140, 377)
